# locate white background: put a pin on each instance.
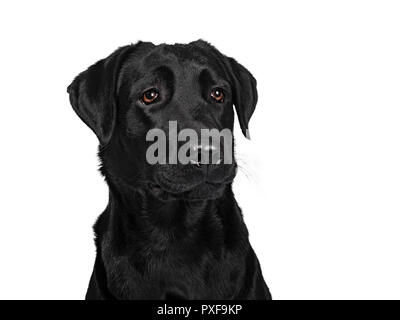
(320, 179)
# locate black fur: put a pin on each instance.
(169, 231)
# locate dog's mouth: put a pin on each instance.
(174, 187)
(166, 188)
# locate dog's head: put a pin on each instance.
(163, 115)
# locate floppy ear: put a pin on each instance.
(93, 94)
(244, 93)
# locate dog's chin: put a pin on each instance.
(189, 192)
(168, 187)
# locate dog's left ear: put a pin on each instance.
(93, 94)
(244, 93)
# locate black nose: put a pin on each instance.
(205, 154)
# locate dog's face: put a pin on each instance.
(143, 87)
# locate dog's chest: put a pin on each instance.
(168, 275)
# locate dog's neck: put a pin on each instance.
(141, 206)
(137, 215)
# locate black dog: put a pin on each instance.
(170, 231)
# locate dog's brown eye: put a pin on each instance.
(217, 94)
(150, 96)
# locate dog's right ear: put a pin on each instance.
(93, 94)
